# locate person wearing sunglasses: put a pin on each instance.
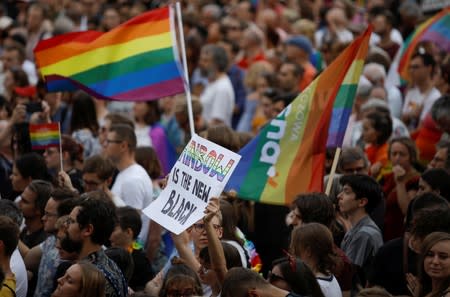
(292, 274)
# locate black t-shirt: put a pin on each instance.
(142, 271)
(388, 270)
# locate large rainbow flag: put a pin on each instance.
(435, 29)
(44, 135)
(287, 157)
(135, 61)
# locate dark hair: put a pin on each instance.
(315, 208)
(84, 114)
(9, 234)
(301, 280)
(232, 256)
(96, 208)
(427, 60)
(382, 123)
(298, 70)
(32, 165)
(9, 209)
(43, 190)
(146, 157)
(373, 292)
(20, 77)
(99, 165)
(427, 221)
(439, 180)
(129, 217)
(70, 145)
(61, 195)
(410, 146)
(123, 259)
(445, 144)
(153, 114)
(239, 280)
(424, 201)
(318, 240)
(428, 243)
(125, 133)
(364, 186)
(17, 47)
(286, 98)
(441, 108)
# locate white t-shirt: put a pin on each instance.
(329, 286)
(415, 98)
(143, 136)
(218, 100)
(19, 270)
(135, 188)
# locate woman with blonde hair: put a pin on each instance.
(82, 279)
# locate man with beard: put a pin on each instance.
(89, 227)
(44, 257)
(218, 96)
(32, 204)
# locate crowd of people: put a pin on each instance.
(71, 220)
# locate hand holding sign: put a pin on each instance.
(212, 209)
(201, 172)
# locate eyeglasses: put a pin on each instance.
(201, 227)
(353, 170)
(108, 141)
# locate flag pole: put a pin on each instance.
(333, 170)
(186, 75)
(60, 147)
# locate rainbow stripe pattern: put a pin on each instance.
(135, 61)
(44, 136)
(435, 29)
(287, 157)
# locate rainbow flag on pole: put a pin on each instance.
(135, 61)
(436, 29)
(44, 136)
(287, 157)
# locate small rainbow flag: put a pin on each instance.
(436, 29)
(287, 157)
(44, 136)
(135, 61)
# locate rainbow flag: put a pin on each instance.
(435, 29)
(44, 135)
(135, 61)
(287, 157)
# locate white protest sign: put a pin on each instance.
(201, 172)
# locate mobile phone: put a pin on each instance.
(33, 107)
